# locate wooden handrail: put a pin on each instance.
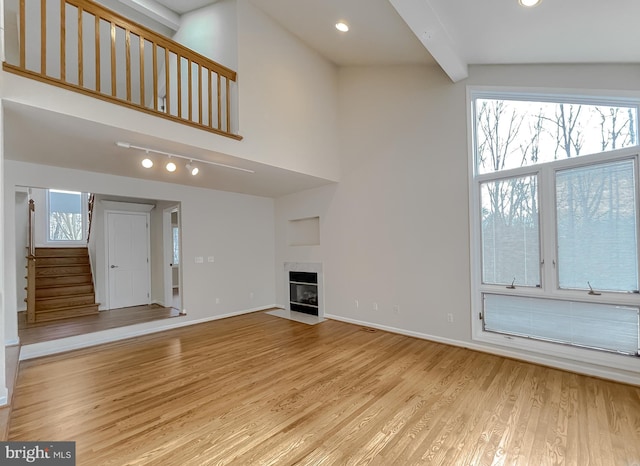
(31, 266)
(92, 198)
(125, 62)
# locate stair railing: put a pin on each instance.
(92, 198)
(31, 266)
(103, 54)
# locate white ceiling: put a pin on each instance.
(459, 33)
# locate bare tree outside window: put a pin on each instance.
(66, 221)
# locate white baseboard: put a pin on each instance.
(571, 366)
(62, 345)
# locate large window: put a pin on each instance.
(67, 216)
(555, 190)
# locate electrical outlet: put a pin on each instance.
(199, 260)
(357, 304)
(211, 259)
(375, 306)
(396, 309)
(217, 300)
(450, 318)
(251, 295)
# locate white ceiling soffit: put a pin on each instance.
(155, 11)
(426, 25)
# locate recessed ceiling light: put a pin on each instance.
(529, 3)
(342, 27)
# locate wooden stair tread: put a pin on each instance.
(53, 298)
(79, 306)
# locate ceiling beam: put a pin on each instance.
(155, 11)
(423, 20)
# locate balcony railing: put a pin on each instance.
(84, 47)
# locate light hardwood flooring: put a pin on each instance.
(258, 389)
(114, 318)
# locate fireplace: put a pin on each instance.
(303, 292)
(304, 287)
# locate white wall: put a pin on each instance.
(288, 97)
(236, 229)
(395, 230)
(212, 31)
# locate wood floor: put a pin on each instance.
(114, 318)
(258, 389)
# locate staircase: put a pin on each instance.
(63, 284)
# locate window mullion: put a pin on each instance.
(548, 246)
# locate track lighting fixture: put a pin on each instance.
(192, 168)
(171, 166)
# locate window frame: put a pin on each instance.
(547, 225)
(84, 212)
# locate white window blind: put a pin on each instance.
(510, 231)
(596, 227)
(599, 326)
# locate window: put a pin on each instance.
(67, 216)
(555, 190)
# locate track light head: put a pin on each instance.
(192, 168)
(147, 163)
(171, 167)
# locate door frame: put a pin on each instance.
(167, 234)
(144, 212)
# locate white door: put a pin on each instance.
(128, 254)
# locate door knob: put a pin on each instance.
(114, 266)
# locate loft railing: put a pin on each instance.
(82, 46)
(31, 266)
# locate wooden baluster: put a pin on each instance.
(199, 94)
(167, 83)
(43, 37)
(228, 128)
(209, 100)
(80, 49)
(190, 91)
(23, 56)
(63, 40)
(219, 103)
(179, 67)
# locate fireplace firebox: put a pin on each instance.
(303, 292)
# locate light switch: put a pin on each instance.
(199, 260)
(210, 259)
